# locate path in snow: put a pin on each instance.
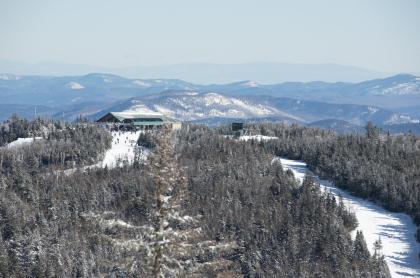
(396, 230)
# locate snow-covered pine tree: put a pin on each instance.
(378, 262)
(179, 246)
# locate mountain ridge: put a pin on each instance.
(207, 73)
(203, 106)
(304, 102)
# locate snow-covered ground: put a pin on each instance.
(251, 137)
(22, 141)
(122, 149)
(257, 137)
(396, 230)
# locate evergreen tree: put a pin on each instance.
(177, 235)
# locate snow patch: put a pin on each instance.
(213, 98)
(74, 86)
(142, 84)
(251, 84)
(22, 142)
(117, 223)
(401, 119)
(191, 93)
(257, 138)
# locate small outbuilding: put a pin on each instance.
(138, 121)
(237, 126)
(238, 129)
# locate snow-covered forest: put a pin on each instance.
(190, 203)
(383, 168)
(395, 230)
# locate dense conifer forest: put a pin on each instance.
(380, 167)
(201, 205)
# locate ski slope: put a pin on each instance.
(396, 230)
(122, 149)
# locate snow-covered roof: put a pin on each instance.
(151, 118)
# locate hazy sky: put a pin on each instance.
(376, 34)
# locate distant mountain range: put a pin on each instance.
(397, 91)
(207, 73)
(342, 106)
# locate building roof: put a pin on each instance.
(139, 118)
(149, 122)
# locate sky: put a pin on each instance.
(381, 35)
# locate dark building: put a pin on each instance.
(238, 129)
(237, 126)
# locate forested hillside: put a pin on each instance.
(284, 230)
(16, 127)
(61, 145)
(380, 167)
(201, 205)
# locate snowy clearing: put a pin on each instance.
(396, 230)
(122, 151)
(22, 141)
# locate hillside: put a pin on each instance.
(179, 213)
(212, 108)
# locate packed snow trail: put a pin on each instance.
(396, 230)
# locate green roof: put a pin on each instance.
(149, 123)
